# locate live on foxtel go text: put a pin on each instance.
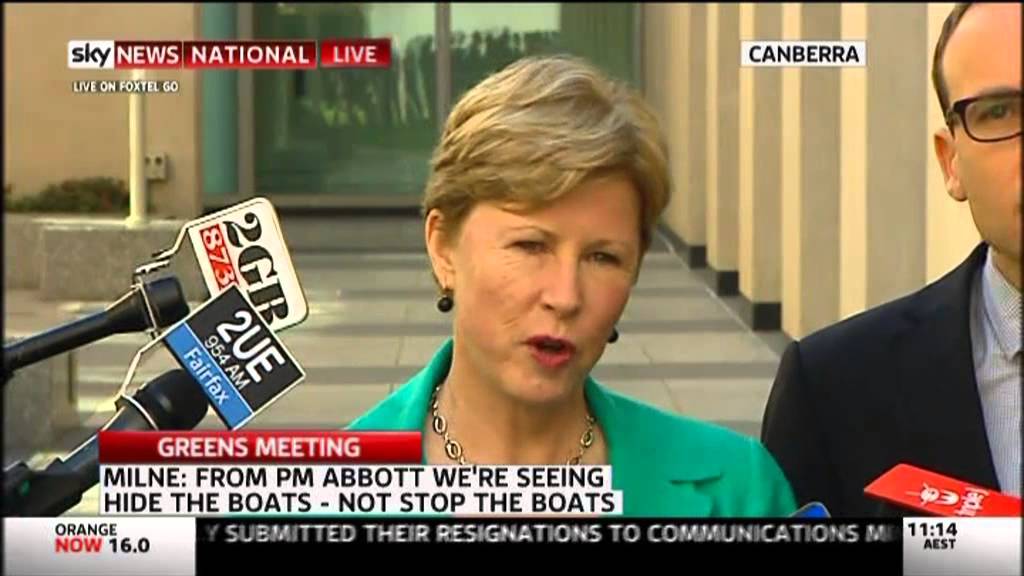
(110, 86)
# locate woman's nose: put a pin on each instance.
(561, 287)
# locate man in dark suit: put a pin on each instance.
(932, 379)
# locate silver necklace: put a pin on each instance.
(453, 449)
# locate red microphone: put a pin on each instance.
(940, 495)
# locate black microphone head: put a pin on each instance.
(174, 400)
(167, 298)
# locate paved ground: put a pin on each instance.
(373, 324)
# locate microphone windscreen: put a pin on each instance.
(168, 300)
(174, 400)
(812, 510)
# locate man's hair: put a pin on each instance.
(938, 79)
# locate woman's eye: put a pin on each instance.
(606, 258)
(530, 246)
(536, 247)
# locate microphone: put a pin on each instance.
(243, 245)
(811, 510)
(934, 494)
(229, 342)
(131, 313)
(171, 401)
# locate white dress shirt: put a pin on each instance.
(996, 338)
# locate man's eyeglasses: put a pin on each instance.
(989, 118)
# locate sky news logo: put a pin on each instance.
(230, 54)
(91, 55)
(804, 53)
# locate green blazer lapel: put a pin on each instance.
(658, 472)
(406, 408)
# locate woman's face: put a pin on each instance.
(537, 294)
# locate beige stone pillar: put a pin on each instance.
(853, 156)
(667, 65)
(723, 146)
(791, 185)
(811, 174)
(760, 175)
(696, 226)
(896, 160)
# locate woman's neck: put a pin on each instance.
(495, 428)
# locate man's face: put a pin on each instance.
(983, 55)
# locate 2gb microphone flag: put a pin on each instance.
(243, 245)
(236, 358)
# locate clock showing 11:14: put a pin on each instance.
(938, 535)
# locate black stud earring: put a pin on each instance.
(445, 302)
(615, 336)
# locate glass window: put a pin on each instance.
(487, 37)
(369, 133)
(352, 132)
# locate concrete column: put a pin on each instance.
(747, 119)
(654, 60)
(677, 27)
(760, 175)
(792, 265)
(723, 147)
(820, 217)
(219, 113)
(853, 255)
(666, 70)
(695, 228)
(950, 234)
(811, 178)
(896, 166)
(711, 128)
(138, 200)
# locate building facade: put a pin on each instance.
(810, 193)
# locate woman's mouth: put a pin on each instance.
(551, 352)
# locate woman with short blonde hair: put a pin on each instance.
(543, 197)
(535, 131)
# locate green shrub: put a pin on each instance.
(89, 195)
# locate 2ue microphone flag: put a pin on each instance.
(229, 54)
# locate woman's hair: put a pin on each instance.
(539, 129)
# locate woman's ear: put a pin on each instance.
(439, 248)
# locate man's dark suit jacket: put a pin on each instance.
(893, 384)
